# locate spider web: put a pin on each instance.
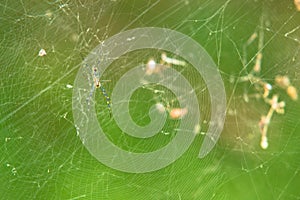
(42, 155)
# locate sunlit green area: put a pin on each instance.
(41, 154)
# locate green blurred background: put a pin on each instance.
(41, 156)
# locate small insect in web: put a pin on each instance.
(174, 113)
(155, 68)
(265, 89)
(96, 83)
(42, 53)
(171, 61)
